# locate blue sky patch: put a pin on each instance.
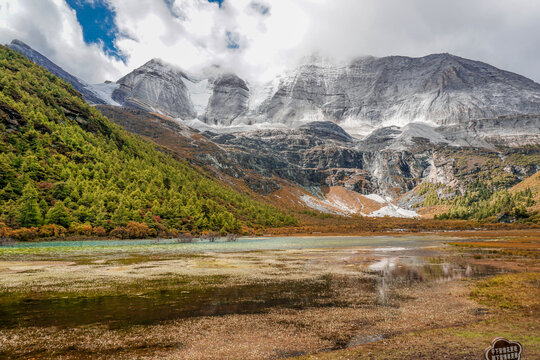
(97, 21)
(260, 8)
(233, 40)
(217, 1)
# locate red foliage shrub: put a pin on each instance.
(137, 230)
(81, 229)
(24, 234)
(52, 230)
(119, 232)
(99, 231)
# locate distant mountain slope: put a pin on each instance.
(62, 162)
(531, 183)
(78, 84)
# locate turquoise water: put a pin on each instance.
(242, 244)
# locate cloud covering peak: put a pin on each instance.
(259, 38)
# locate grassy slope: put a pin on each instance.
(533, 183)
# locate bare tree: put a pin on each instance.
(231, 237)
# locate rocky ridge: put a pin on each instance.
(89, 95)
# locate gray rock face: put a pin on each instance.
(510, 130)
(156, 86)
(321, 154)
(391, 161)
(229, 100)
(79, 85)
(440, 89)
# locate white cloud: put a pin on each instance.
(51, 27)
(274, 34)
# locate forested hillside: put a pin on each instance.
(65, 167)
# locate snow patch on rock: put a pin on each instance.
(199, 92)
(394, 211)
(376, 197)
(104, 91)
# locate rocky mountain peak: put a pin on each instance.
(360, 96)
(229, 100)
(19, 43)
(156, 86)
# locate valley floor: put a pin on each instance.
(377, 297)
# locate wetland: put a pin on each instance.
(261, 298)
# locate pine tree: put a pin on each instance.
(58, 215)
(29, 211)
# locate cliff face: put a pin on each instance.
(367, 93)
(229, 100)
(391, 161)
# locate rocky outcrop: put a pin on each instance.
(88, 94)
(156, 86)
(322, 154)
(510, 130)
(391, 161)
(229, 100)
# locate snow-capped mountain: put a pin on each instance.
(81, 86)
(361, 96)
(369, 92)
(229, 100)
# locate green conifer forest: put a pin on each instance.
(64, 167)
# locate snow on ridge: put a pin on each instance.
(394, 211)
(235, 128)
(104, 91)
(376, 197)
(199, 92)
(316, 204)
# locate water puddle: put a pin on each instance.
(401, 271)
(162, 305)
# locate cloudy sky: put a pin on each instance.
(104, 39)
